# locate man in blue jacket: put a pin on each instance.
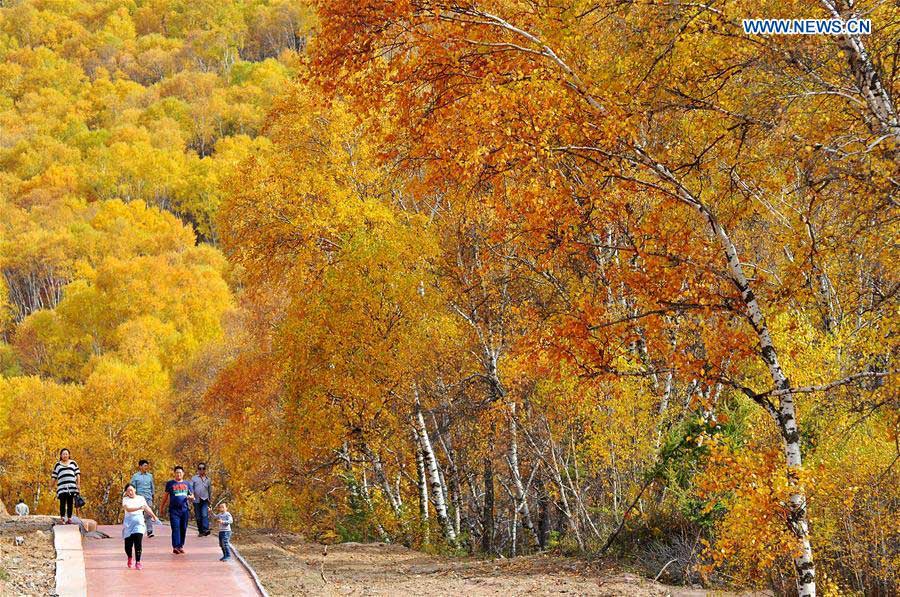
(143, 486)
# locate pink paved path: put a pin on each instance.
(197, 572)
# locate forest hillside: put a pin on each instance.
(491, 277)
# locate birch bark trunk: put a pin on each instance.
(521, 497)
(866, 76)
(422, 482)
(455, 491)
(381, 478)
(433, 475)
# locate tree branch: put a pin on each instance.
(834, 384)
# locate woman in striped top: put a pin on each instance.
(67, 477)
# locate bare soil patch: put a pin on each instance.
(29, 568)
(288, 565)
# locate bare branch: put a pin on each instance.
(834, 384)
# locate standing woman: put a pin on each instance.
(67, 477)
(133, 525)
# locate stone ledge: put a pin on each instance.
(71, 580)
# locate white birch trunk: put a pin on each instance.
(433, 475)
(664, 405)
(421, 481)
(382, 479)
(455, 492)
(867, 78)
(512, 531)
(521, 497)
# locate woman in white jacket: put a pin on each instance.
(133, 525)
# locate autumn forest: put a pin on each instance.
(603, 278)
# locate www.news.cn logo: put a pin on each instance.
(807, 26)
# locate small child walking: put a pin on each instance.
(225, 519)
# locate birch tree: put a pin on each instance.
(663, 121)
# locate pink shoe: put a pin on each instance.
(130, 561)
(139, 566)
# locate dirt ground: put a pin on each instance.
(287, 565)
(30, 568)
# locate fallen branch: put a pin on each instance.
(663, 569)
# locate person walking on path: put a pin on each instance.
(67, 477)
(225, 519)
(134, 524)
(22, 508)
(143, 486)
(178, 496)
(201, 486)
